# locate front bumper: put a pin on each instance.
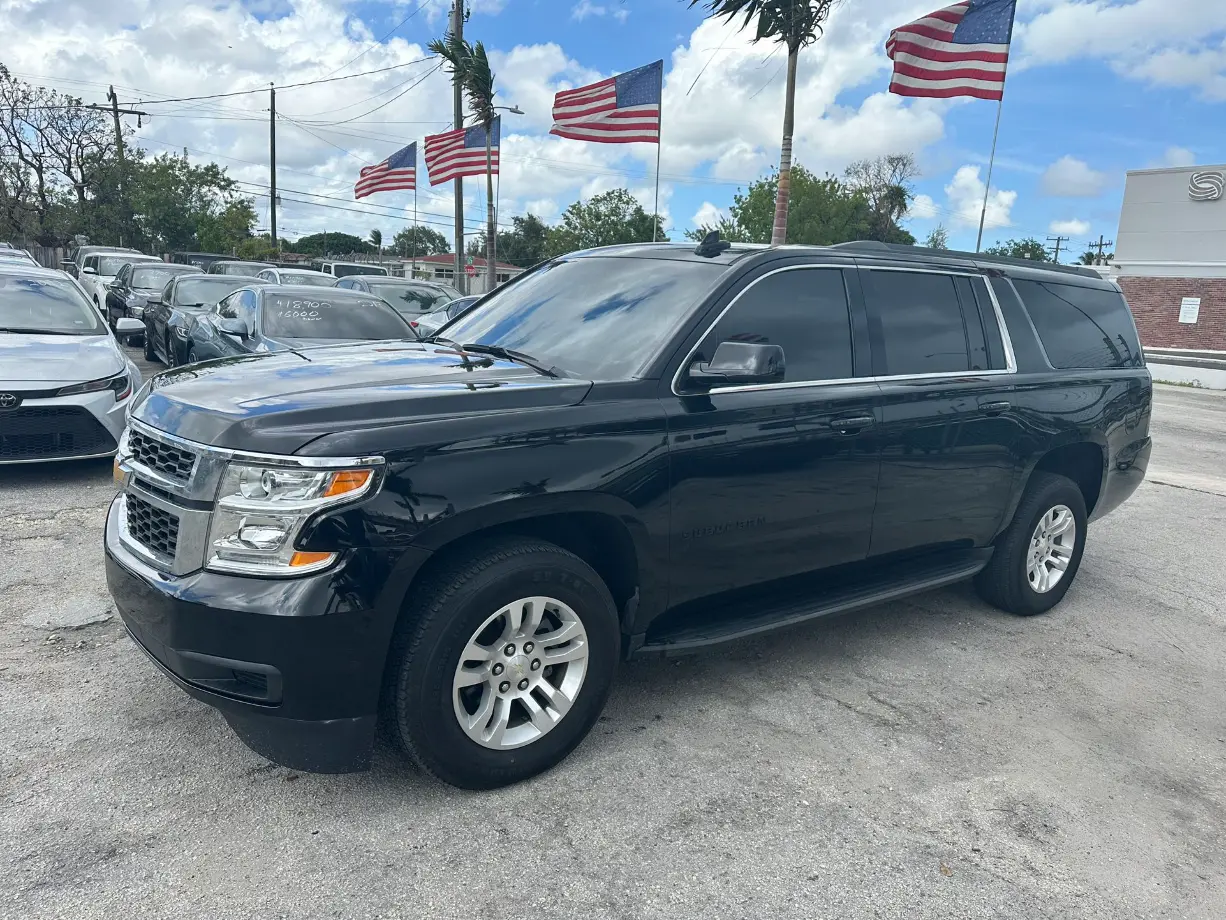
(79, 427)
(294, 665)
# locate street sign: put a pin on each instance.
(470, 270)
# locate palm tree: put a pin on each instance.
(376, 240)
(795, 23)
(470, 68)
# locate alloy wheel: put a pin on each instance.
(1051, 548)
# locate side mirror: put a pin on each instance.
(740, 364)
(67, 265)
(129, 326)
(234, 327)
(153, 299)
(88, 270)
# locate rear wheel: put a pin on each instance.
(502, 663)
(1037, 558)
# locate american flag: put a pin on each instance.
(619, 110)
(461, 152)
(398, 172)
(962, 50)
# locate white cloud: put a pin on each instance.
(965, 197)
(707, 216)
(1178, 156)
(1072, 227)
(586, 8)
(1070, 177)
(923, 207)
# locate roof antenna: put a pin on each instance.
(711, 245)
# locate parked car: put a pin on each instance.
(644, 448)
(74, 265)
(246, 269)
(65, 383)
(10, 254)
(285, 317)
(344, 269)
(136, 282)
(296, 276)
(98, 271)
(170, 314)
(410, 298)
(202, 260)
(429, 323)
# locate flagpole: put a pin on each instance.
(987, 187)
(655, 223)
(413, 269)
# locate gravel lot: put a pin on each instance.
(933, 758)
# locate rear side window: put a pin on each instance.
(1081, 326)
(805, 311)
(917, 323)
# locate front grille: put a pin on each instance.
(51, 433)
(152, 527)
(175, 462)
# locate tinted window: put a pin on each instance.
(409, 298)
(991, 324)
(151, 279)
(202, 292)
(110, 265)
(45, 305)
(598, 316)
(803, 311)
(918, 323)
(1081, 326)
(325, 317)
(342, 270)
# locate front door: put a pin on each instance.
(775, 480)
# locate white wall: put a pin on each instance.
(1164, 233)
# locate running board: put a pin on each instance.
(723, 622)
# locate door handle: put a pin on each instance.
(994, 408)
(854, 423)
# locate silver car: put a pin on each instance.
(65, 383)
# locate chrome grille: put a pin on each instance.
(167, 459)
(153, 528)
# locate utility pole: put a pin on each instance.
(272, 166)
(1059, 241)
(1100, 246)
(457, 28)
(116, 111)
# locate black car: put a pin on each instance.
(236, 267)
(283, 317)
(136, 283)
(429, 323)
(410, 298)
(170, 314)
(646, 448)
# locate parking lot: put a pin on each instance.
(929, 758)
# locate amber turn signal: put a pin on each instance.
(301, 558)
(348, 481)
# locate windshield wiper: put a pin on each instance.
(497, 351)
(17, 329)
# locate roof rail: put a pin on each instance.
(902, 249)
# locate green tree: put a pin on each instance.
(886, 185)
(323, 244)
(428, 242)
(525, 243)
(222, 232)
(470, 70)
(938, 238)
(823, 212)
(1090, 257)
(376, 239)
(257, 249)
(1029, 248)
(794, 24)
(173, 200)
(603, 220)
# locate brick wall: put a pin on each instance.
(1155, 304)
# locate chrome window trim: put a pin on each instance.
(1006, 340)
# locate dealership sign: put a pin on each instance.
(1207, 186)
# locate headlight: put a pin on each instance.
(262, 509)
(180, 332)
(119, 383)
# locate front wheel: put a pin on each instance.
(502, 663)
(150, 354)
(1037, 557)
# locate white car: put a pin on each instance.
(100, 268)
(296, 276)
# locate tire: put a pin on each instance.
(150, 354)
(1007, 581)
(421, 702)
(171, 355)
(190, 356)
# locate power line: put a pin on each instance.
(394, 30)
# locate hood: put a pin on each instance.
(31, 358)
(277, 403)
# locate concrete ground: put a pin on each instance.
(927, 759)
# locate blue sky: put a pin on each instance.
(1096, 87)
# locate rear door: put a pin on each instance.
(944, 366)
(773, 480)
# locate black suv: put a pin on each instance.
(646, 448)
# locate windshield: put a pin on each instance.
(46, 305)
(410, 298)
(597, 316)
(305, 278)
(110, 265)
(331, 317)
(153, 279)
(204, 292)
(341, 271)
